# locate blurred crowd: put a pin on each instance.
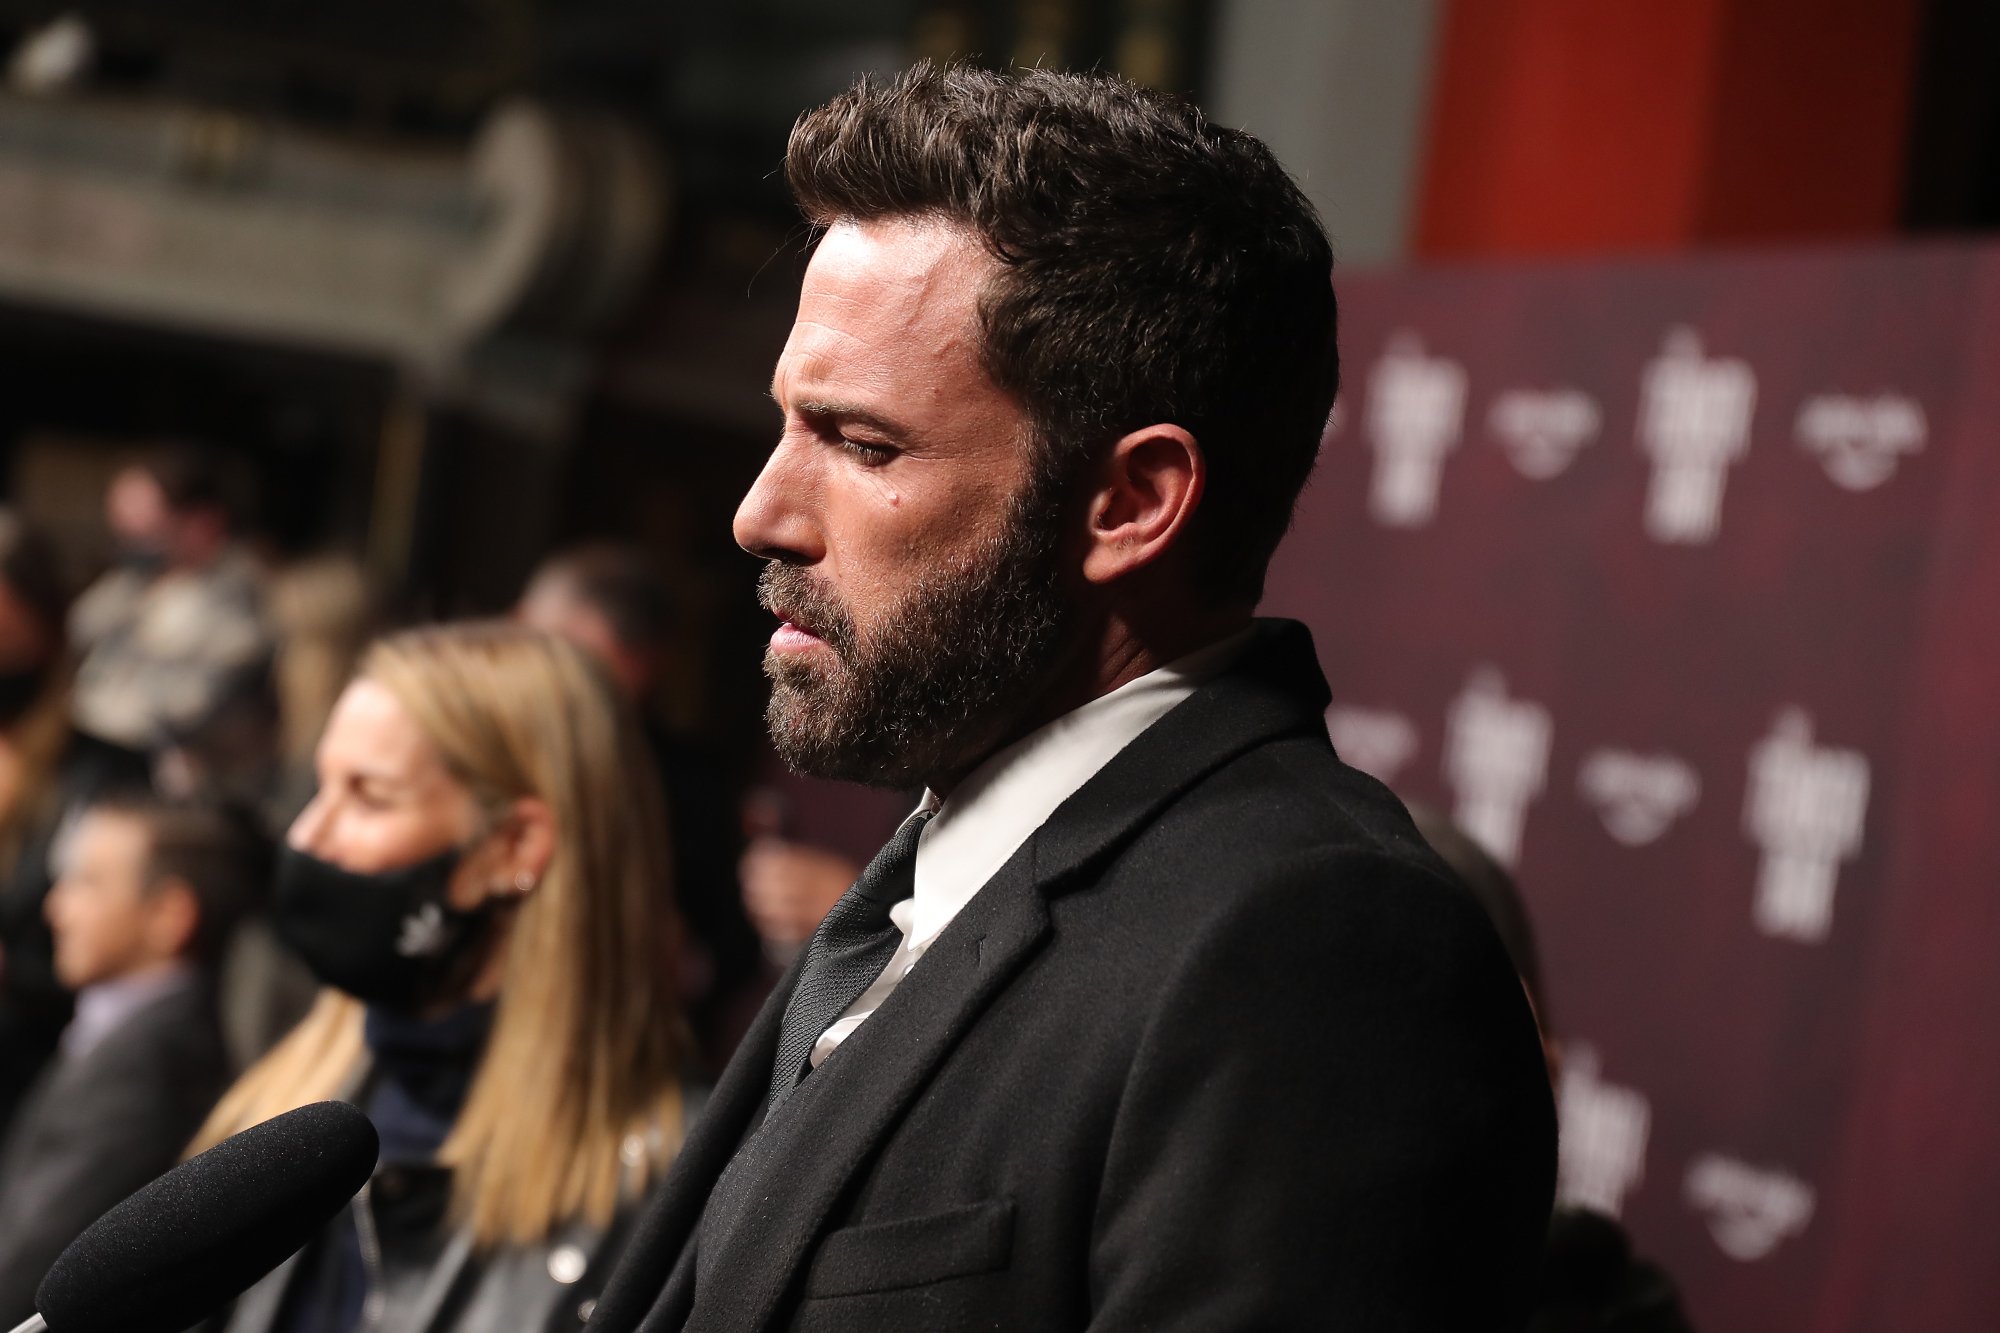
(254, 853)
(165, 730)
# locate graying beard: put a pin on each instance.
(964, 654)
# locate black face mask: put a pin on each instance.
(388, 939)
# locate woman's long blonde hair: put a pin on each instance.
(588, 1042)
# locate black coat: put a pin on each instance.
(1219, 1048)
(100, 1125)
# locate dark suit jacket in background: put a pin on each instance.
(98, 1126)
(1219, 1048)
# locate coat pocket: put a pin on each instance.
(915, 1251)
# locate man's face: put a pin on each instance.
(137, 512)
(552, 606)
(914, 550)
(99, 911)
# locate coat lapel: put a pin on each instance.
(792, 1171)
(668, 1223)
(1274, 689)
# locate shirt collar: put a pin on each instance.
(106, 1006)
(1013, 793)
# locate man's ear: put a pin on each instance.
(173, 917)
(1148, 488)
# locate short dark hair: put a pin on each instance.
(218, 851)
(623, 584)
(1154, 267)
(32, 570)
(190, 476)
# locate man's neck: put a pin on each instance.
(1120, 650)
(144, 975)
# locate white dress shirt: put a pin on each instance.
(1003, 801)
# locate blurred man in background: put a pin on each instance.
(610, 600)
(146, 900)
(1591, 1281)
(47, 770)
(789, 886)
(175, 641)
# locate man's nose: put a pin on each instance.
(778, 519)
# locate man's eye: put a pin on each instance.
(867, 450)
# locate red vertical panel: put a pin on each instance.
(1810, 122)
(1561, 125)
(1576, 126)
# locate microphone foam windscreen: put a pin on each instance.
(171, 1254)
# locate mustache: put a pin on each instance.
(788, 591)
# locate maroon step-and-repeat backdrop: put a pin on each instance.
(1679, 584)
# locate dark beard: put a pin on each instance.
(944, 676)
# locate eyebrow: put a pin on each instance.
(826, 409)
(370, 776)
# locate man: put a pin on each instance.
(611, 601)
(176, 641)
(1591, 1281)
(1154, 1015)
(145, 901)
(47, 770)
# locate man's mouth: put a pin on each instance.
(808, 618)
(792, 635)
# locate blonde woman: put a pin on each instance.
(480, 883)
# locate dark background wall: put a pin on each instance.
(1788, 1098)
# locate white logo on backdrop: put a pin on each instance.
(1374, 740)
(1694, 421)
(1638, 796)
(1497, 760)
(1543, 431)
(1749, 1210)
(1601, 1150)
(1805, 807)
(1416, 411)
(1860, 440)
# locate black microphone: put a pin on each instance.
(171, 1254)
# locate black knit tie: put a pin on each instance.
(847, 953)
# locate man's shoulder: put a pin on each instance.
(137, 1096)
(1283, 832)
(1288, 800)
(174, 1041)
(1252, 774)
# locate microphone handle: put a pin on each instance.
(32, 1324)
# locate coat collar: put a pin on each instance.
(795, 1167)
(1273, 689)
(669, 1222)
